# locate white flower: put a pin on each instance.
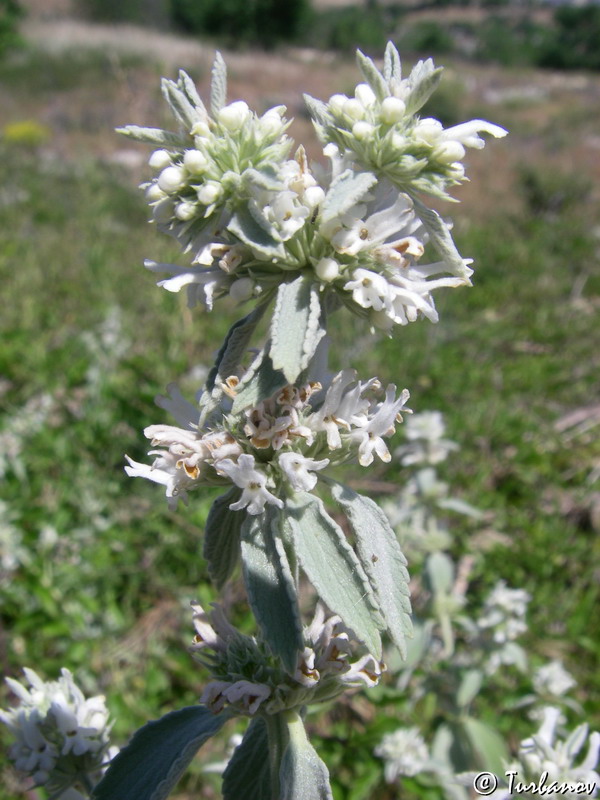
(253, 482)
(553, 679)
(327, 269)
(467, 133)
(369, 433)
(233, 116)
(404, 752)
(369, 289)
(296, 468)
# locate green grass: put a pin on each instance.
(106, 593)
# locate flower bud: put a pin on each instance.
(160, 159)
(154, 193)
(381, 320)
(392, 110)
(354, 109)
(186, 211)
(449, 151)
(365, 95)
(233, 116)
(195, 162)
(201, 130)
(336, 103)
(209, 193)
(362, 130)
(172, 179)
(428, 130)
(241, 289)
(327, 269)
(313, 196)
(163, 211)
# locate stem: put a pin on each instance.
(277, 730)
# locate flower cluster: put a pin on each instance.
(250, 216)
(553, 680)
(404, 752)
(277, 446)
(379, 126)
(552, 757)
(247, 677)
(62, 738)
(501, 623)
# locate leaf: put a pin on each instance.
(345, 191)
(222, 537)
(187, 86)
(296, 326)
(248, 230)
(423, 81)
(234, 347)
(441, 239)
(271, 589)
(317, 110)
(302, 775)
(439, 572)
(392, 69)
(152, 136)
(247, 776)
(469, 687)
(180, 105)
(372, 76)
(259, 382)
(333, 568)
(158, 755)
(487, 744)
(265, 178)
(382, 559)
(218, 86)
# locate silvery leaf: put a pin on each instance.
(302, 775)
(235, 346)
(423, 81)
(345, 191)
(392, 69)
(218, 86)
(382, 559)
(333, 568)
(271, 589)
(158, 755)
(318, 110)
(222, 537)
(180, 105)
(249, 230)
(439, 573)
(372, 76)
(487, 745)
(259, 382)
(441, 239)
(153, 136)
(469, 687)
(248, 776)
(296, 326)
(186, 84)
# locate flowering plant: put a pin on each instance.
(264, 228)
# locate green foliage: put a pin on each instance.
(140, 12)
(11, 12)
(574, 40)
(426, 37)
(349, 27)
(549, 192)
(242, 22)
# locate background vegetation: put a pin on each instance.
(95, 574)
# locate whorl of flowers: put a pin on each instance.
(248, 678)
(556, 754)
(251, 217)
(379, 126)
(404, 752)
(62, 738)
(276, 447)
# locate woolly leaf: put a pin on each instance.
(317, 110)
(271, 589)
(222, 537)
(439, 573)
(423, 81)
(180, 105)
(296, 326)
(469, 687)
(158, 755)
(259, 382)
(218, 86)
(441, 239)
(345, 191)
(234, 347)
(487, 745)
(392, 69)
(382, 559)
(302, 774)
(152, 136)
(186, 84)
(250, 231)
(372, 76)
(248, 776)
(333, 568)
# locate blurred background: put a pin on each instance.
(95, 574)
